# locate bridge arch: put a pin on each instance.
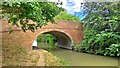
(65, 31)
(64, 39)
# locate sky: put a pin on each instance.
(72, 7)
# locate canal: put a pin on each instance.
(83, 59)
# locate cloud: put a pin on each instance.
(71, 6)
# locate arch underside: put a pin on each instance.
(63, 40)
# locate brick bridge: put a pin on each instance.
(66, 32)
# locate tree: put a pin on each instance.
(64, 16)
(101, 28)
(22, 12)
(102, 15)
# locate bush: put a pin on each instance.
(47, 38)
(101, 28)
(113, 50)
(104, 43)
(47, 41)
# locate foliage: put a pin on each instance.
(47, 38)
(113, 50)
(101, 44)
(47, 41)
(102, 16)
(22, 12)
(47, 46)
(101, 29)
(64, 16)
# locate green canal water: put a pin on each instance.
(83, 59)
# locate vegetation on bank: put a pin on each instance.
(47, 42)
(101, 29)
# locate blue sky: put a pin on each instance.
(73, 7)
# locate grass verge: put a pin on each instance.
(14, 55)
(51, 60)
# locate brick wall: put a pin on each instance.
(73, 30)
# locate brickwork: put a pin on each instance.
(65, 31)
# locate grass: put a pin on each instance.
(14, 55)
(51, 60)
(11, 54)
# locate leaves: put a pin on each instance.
(22, 12)
(101, 28)
(102, 16)
(113, 50)
(64, 16)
